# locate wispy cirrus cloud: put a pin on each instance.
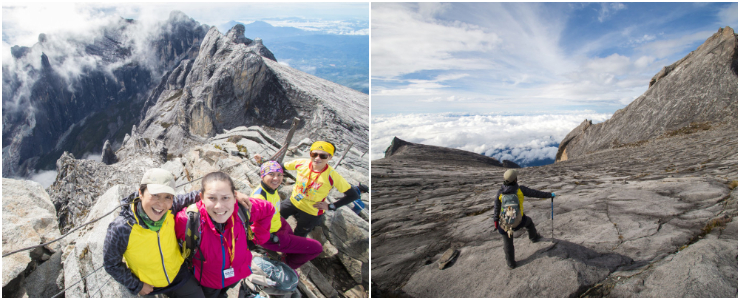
(596, 56)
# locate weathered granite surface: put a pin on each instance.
(617, 211)
(28, 219)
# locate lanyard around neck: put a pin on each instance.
(311, 171)
(233, 243)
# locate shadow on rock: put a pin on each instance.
(550, 268)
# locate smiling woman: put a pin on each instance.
(147, 226)
(222, 257)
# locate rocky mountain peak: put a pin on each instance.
(236, 34)
(403, 150)
(671, 103)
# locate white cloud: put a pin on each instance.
(609, 9)
(521, 139)
(423, 43)
(45, 178)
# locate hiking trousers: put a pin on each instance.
(297, 249)
(305, 222)
(219, 293)
(509, 241)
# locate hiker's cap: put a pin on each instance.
(510, 175)
(159, 181)
(325, 146)
(269, 167)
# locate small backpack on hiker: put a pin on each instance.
(511, 214)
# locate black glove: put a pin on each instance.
(363, 188)
(274, 238)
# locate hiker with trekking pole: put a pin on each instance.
(314, 180)
(510, 217)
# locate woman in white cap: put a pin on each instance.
(509, 202)
(144, 234)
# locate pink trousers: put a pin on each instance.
(298, 250)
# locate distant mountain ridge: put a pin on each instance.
(343, 59)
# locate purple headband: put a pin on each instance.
(269, 167)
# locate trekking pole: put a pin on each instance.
(345, 153)
(552, 218)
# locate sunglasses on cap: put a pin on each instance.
(322, 155)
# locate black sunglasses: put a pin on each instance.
(322, 155)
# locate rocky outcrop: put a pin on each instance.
(80, 182)
(624, 219)
(698, 90)
(28, 219)
(109, 157)
(236, 34)
(83, 253)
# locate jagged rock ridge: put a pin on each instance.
(46, 110)
(701, 88)
(231, 84)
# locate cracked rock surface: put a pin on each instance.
(616, 211)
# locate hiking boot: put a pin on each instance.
(511, 264)
(536, 238)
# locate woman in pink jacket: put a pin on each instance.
(223, 257)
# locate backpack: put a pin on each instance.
(191, 244)
(511, 214)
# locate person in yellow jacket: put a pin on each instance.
(143, 235)
(296, 250)
(510, 198)
(314, 179)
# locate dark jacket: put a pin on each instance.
(117, 242)
(511, 189)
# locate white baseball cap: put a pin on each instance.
(159, 181)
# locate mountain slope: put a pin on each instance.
(231, 84)
(699, 88)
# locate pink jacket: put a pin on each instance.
(215, 247)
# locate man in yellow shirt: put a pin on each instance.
(314, 179)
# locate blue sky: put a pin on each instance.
(529, 58)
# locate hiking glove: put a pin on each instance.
(553, 195)
(495, 225)
(274, 238)
(363, 188)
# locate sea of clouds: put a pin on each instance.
(525, 139)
